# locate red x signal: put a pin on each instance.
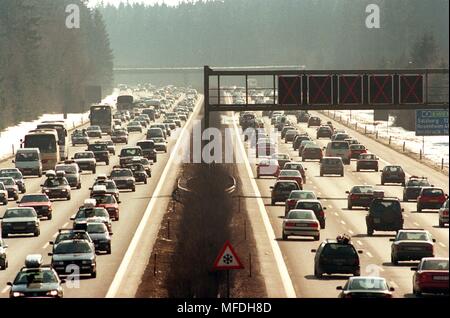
(411, 88)
(321, 92)
(350, 89)
(289, 90)
(381, 92)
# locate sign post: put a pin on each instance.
(227, 260)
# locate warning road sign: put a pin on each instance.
(411, 89)
(381, 90)
(289, 90)
(227, 258)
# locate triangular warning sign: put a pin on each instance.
(227, 258)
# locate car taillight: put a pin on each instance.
(290, 224)
(321, 213)
(291, 202)
(314, 225)
(354, 196)
(445, 213)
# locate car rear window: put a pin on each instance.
(412, 236)
(418, 183)
(302, 195)
(372, 283)
(314, 206)
(385, 206)
(305, 215)
(289, 173)
(286, 186)
(336, 250)
(331, 161)
(362, 189)
(434, 264)
(339, 145)
(393, 169)
(432, 192)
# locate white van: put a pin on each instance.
(339, 149)
(28, 161)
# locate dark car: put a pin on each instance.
(366, 287)
(298, 140)
(385, 214)
(392, 174)
(148, 149)
(129, 153)
(11, 187)
(324, 132)
(119, 136)
(413, 187)
(411, 245)
(100, 151)
(303, 117)
(336, 257)
(74, 252)
(359, 195)
(367, 161)
(282, 189)
(123, 178)
(314, 121)
(312, 152)
(16, 175)
(139, 173)
(57, 188)
(315, 206)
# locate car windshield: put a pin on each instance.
(339, 145)
(67, 169)
(432, 192)
(121, 173)
(293, 166)
(131, 152)
(367, 157)
(19, 213)
(393, 169)
(330, 161)
(93, 228)
(412, 236)
(286, 186)
(34, 198)
(146, 144)
(73, 247)
(357, 147)
(98, 147)
(104, 199)
(302, 195)
(145, 161)
(38, 276)
(362, 189)
(57, 182)
(336, 250)
(84, 155)
(301, 215)
(90, 213)
(7, 181)
(93, 128)
(27, 156)
(372, 283)
(12, 174)
(385, 206)
(418, 183)
(70, 235)
(136, 167)
(313, 206)
(289, 173)
(435, 264)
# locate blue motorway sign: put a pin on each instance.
(432, 122)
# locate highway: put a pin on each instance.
(132, 208)
(375, 260)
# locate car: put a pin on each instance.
(366, 287)
(119, 136)
(100, 236)
(315, 206)
(11, 187)
(356, 150)
(171, 123)
(153, 131)
(303, 117)
(123, 178)
(392, 174)
(411, 245)
(286, 129)
(109, 184)
(443, 214)
(296, 195)
(3, 194)
(110, 146)
(3, 255)
(367, 161)
(282, 158)
(139, 173)
(352, 141)
(16, 175)
(56, 186)
(134, 126)
(290, 135)
(413, 187)
(431, 276)
(293, 175)
(72, 172)
(294, 165)
(76, 252)
(360, 195)
(267, 167)
(107, 201)
(431, 198)
(338, 149)
(314, 121)
(94, 131)
(28, 161)
(147, 166)
(85, 161)
(160, 144)
(298, 140)
(143, 123)
(324, 132)
(20, 221)
(311, 151)
(282, 189)
(148, 149)
(330, 124)
(340, 136)
(79, 137)
(36, 280)
(337, 256)
(40, 202)
(301, 223)
(90, 212)
(71, 234)
(100, 151)
(385, 214)
(331, 165)
(129, 153)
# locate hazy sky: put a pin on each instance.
(116, 2)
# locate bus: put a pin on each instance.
(46, 140)
(125, 102)
(101, 115)
(61, 129)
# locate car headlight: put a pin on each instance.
(52, 293)
(64, 190)
(18, 294)
(47, 190)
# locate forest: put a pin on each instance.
(45, 66)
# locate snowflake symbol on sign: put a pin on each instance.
(228, 259)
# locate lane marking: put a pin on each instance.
(343, 222)
(416, 224)
(282, 268)
(405, 215)
(45, 245)
(442, 244)
(351, 232)
(4, 290)
(369, 254)
(359, 242)
(120, 274)
(55, 235)
(65, 224)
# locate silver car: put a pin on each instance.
(331, 165)
(100, 236)
(443, 214)
(301, 223)
(20, 221)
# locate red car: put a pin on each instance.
(293, 165)
(40, 202)
(267, 167)
(431, 198)
(312, 152)
(109, 202)
(431, 276)
(356, 150)
(293, 175)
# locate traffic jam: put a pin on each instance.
(133, 134)
(300, 170)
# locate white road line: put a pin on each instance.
(55, 235)
(351, 232)
(45, 245)
(65, 224)
(406, 216)
(369, 254)
(343, 222)
(4, 290)
(416, 224)
(282, 268)
(335, 213)
(120, 274)
(359, 242)
(442, 244)
(330, 206)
